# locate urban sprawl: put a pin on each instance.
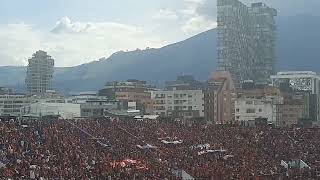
(245, 122)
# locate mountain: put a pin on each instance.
(298, 43)
(297, 47)
(12, 76)
(151, 64)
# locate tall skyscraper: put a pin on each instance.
(39, 73)
(246, 40)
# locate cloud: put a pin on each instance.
(72, 43)
(197, 25)
(166, 14)
(199, 16)
(17, 43)
(65, 25)
(208, 9)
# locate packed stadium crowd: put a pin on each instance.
(117, 149)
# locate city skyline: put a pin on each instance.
(161, 89)
(79, 37)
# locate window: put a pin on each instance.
(260, 110)
(251, 111)
(238, 110)
(160, 108)
(249, 102)
(86, 110)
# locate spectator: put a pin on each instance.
(69, 149)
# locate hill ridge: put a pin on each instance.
(297, 49)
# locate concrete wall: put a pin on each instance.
(65, 110)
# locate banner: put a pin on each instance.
(129, 162)
(201, 146)
(220, 151)
(147, 146)
(172, 142)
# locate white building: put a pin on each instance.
(40, 109)
(10, 104)
(83, 97)
(249, 109)
(307, 82)
(50, 96)
(298, 80)
(39, 73)
(179, 103)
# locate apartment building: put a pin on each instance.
(219, 98)
(179, 103)
(250, 109)
(11, 104)
(295, 107)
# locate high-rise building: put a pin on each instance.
(39, 73)
(246, 40)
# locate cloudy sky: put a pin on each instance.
(79, 31)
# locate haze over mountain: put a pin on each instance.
(297, 49)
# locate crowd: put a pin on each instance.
(115, 149)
